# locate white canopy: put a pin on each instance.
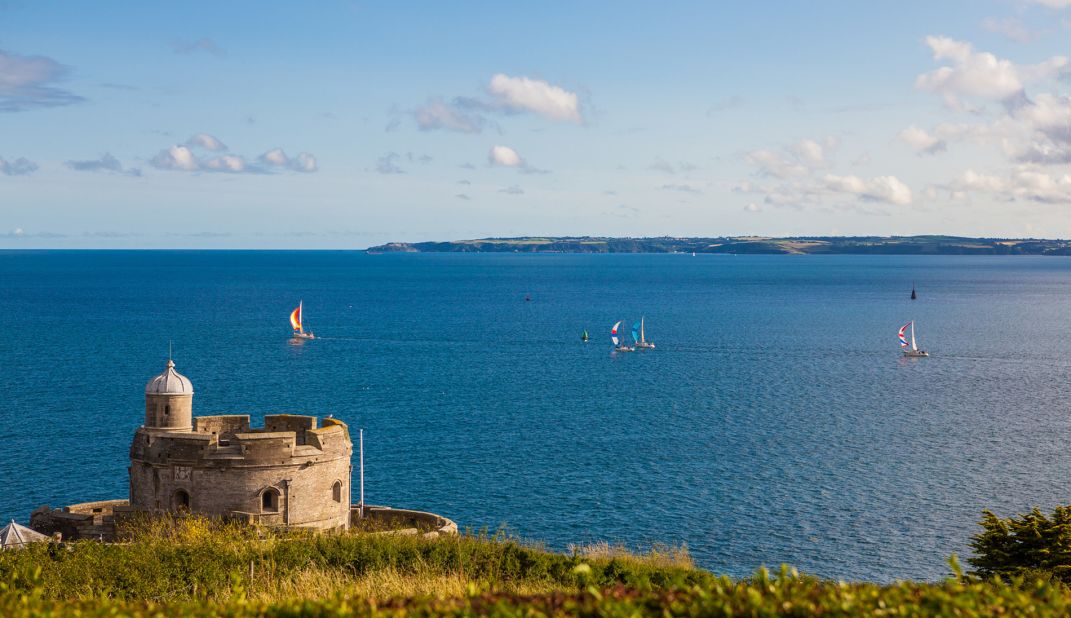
(14, 536)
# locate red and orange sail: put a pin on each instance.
(295, 318)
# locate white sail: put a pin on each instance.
(642, 338)
(613, 333)
(914, 348)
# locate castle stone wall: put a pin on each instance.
(224, 468)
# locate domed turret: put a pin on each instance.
(170, 382)
(169, 401)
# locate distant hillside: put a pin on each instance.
(803, 245)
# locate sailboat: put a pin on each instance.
(910, 348)
(642, 343)
(618, 345)
(295, 323)
(913, 294)
(584, 336)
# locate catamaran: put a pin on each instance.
(642, 343)
(910, 348)
(618, 345)
(295, 323)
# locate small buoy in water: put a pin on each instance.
(527, 298)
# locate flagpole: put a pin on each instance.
(362, 474)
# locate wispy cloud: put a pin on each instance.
(437, 114)
(105, 163)
(682, 188)
(29, 82)
(203, 44)
(18, 167)
(386, 164)
(512, 190)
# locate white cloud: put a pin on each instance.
(504, 156)
(231, 164)
(176, 158)
(18, 167)
(752, 207)
(921, 141)
(797, 160)
(888, 189)
(981, 74)
(770, 163)
(534, 95)
(181, 157)
(1023, 184)
(28, 82)
(276, 157)
(206, 141)
(512, 190)
(304, 162)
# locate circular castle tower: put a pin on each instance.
(295, 471)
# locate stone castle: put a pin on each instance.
(293, 472)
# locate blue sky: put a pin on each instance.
(347, 124)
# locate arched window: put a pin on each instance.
(269, 500)
(336, 491)
(181, 500)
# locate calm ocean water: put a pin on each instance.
(776, 421)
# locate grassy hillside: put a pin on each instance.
(197, 568)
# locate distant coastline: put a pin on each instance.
(799, 245)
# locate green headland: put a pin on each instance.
(800, 245)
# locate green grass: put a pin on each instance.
(194, 567)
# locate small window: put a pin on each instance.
(182, 500)
(336, 491)
(269, 500)
(167, 410)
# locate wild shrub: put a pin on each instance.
(1031, 544)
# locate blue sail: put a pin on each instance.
(636, 332)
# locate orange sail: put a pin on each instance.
(295, 318)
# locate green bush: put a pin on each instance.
(1031, 544)
(786, 594)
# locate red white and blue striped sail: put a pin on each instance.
(904, 343)
(613, 333)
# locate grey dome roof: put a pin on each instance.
(170, 382)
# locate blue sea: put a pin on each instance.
(776, 422)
